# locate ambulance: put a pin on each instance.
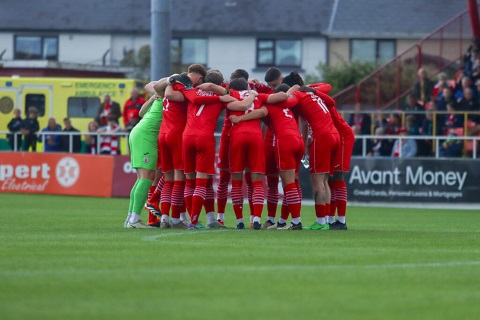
(76, 98)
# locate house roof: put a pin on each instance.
(187, 16)
(391, 18)
(337, 18)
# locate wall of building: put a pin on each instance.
(314, 53)
(124, 43)
(229, 53)
(6, 43)
(83, 48)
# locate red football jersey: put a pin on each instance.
(313, 109)
(204, 107)
(174, 115)
(252, 126)
(340, 124)
(281, 121)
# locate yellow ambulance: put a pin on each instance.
(76, 98)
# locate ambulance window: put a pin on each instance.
(35, 100)
(83, 107)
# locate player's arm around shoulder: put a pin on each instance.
(244, 104)
(208, 86)
(173, 95)
(147, 105)
(262, 112)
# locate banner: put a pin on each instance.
(124, 176)
(56, 173)
(414, 180)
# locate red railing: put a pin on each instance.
(437, 52)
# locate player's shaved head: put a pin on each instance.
(214, 76)
(272, 74)
(238, 84)
(239, 73)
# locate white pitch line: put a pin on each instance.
(173, 234)
(240, 269)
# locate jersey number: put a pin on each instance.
(199, 112)
(165, 107)
(286, 113)
(320, 103)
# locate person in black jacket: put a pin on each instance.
(29, 127)
(15, 127)
(65, 139)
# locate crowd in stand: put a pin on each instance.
(25, 133)
(448, 107)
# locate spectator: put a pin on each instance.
(381, 120)
(469, 65)
(417, 109)
(423, 89)
(451, 148)
(476, 72)
(411, 125)
(380, 147)
(108, 108)
(52, 141)
(429, 128)
(465, 84)
(109, 144)
(358, 144)
(474, 46)
(76, 139)
(394, 124)
(29, 128)
(404, 148)
(15, 127)
(441, 83)
(132, 106)
(445, 98)
(91, 140)
(361, 119)
(453, 119)
(131, 124)
(468, 104)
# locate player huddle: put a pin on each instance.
(267, 131)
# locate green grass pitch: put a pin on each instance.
(70, 258)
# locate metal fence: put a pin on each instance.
(71, 134)
(471, 140)
(437, 140)
(437, 52)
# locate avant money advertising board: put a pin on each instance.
(56, 173)
(414, 180)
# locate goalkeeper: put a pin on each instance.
(143, 146)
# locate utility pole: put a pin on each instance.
(160, 36)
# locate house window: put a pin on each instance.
(36, 48)
(186, 51)
(282, 53)
(371, 50)
(82, 107)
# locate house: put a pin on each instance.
(376, 30)
(221, 34)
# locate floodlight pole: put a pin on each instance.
(160, 36)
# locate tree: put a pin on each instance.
(342, 75)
